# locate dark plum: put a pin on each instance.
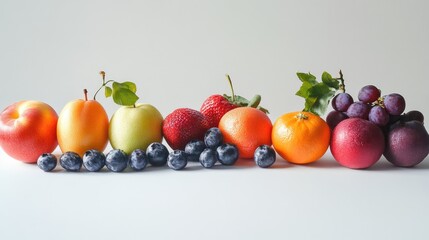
(407, 144)
(414, 115)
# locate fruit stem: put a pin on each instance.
(85, 92)
(232, 88)
(302, 116)
(342, 85)
(103, 76)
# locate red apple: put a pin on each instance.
(357, 143)
(28, 129)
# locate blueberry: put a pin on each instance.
(193, 149)
(116, 160)
(138, 160)
(93, 160)
(227, 154)
(177, 160)
(208, 158)
(157, 154)
(213, 138)
(264, 156)
(47, 162)
(71, 161)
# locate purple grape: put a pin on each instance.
(334, 118)
(379, 116)
(358, 110)
(342, 101)
(369, 94)
(414, 115)
(394, 104)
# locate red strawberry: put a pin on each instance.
(183, 125)
(215, 106)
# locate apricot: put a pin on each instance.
(83, 125)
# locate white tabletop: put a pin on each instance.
(318, 201)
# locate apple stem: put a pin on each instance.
(230, 85)
(85, 92)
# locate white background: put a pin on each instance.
(178, 53)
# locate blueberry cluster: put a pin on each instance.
(115, 161)
(212, 150)
(207, 153)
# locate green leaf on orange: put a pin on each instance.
(331, 82)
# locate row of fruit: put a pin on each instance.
(226, 128)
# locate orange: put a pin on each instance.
(300, 137)
(83, 125)
(247, 128)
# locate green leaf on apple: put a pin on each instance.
(124, 93)
(107, 91)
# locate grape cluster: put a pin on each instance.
(381, 110)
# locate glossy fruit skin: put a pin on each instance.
(157, 154)
(264, 156)
(94, 160)
(214, 107)
(133, 128)
(357, 143)
(227, 154)
(208, 158)
(177, 160)
(407, 144)
(82, 125)
(301, 137)
(182, 126)
(47, 162)
(193, 150)
(28, 129)
(71, 161)
(138, 160)
(247, 128)
(116, 160)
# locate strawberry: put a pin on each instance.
(183, 125)
(215, 106)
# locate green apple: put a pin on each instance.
(135, 127)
